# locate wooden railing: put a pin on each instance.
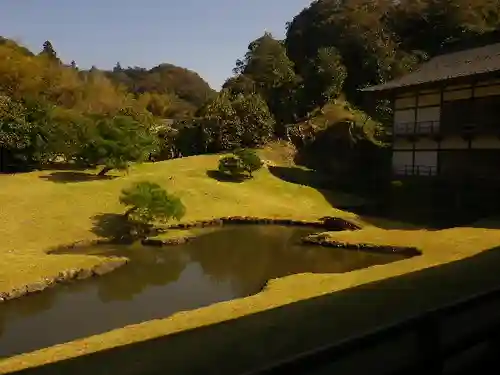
(416, 170)
(420, 127)
(431, 350)
(436, 128)
(464, 175)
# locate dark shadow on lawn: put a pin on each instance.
(72, 176)
(114, 227)
(64, 166)
(223, 177)
(375, 213)
(307, 177)
(117, 229)
(301, 176)
(254, 340)
(487, 223)
(324, 184)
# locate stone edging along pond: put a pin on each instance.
(380, 249)
(327, 223)
(64, 277)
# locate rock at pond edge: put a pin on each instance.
(108, 266)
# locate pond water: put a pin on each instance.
(219, 265)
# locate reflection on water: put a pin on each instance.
(220, 265)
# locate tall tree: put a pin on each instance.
(267, 63)
(186, 88)
(49, 51)
(325, 79)
(117, 68)
(220, 123)
(357, 29)
(114, 142)
(240, 84)
(429, 25)
(257, 121)
(268, 69)
(14, 129)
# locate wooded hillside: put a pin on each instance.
(303, 89)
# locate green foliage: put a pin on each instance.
(190, 137)
(429, 25)
(250, 160)
(339, 47)
(267, 71)
(35, 132)
(380, 40)
(240, 84)
(14, 128)
(231, 165)
(148, 202)
(357, 30)
(230, 121)
(62, 110)
(343, 142)
(49, 52)
(281, 89)
(24, 132)
(16, 47)
(240, 162)
(169, 91)
(331, 73)
(220, 124)
(255, 118)
(115, 142)
(267, 63)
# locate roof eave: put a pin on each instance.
(388, 90)
(383, 92)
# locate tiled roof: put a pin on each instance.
(464, 63)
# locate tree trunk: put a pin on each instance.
(104, 171)
(129, 211)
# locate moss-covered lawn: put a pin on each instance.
(436, 245)
(36, 214)
(42, 210)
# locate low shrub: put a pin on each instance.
(250, 161)
(241, 162)
(148, 202)
(231, 165)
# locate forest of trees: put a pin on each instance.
(304, 89)
(166, 90)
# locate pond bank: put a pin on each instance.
(328, 223)
(108, 265)
(324, 240)
(228, 263)
(66, 276)
(321, 308)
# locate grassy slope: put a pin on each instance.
(36, 218)
(37, 214)
(437, 246)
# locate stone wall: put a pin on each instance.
(63, 277)
(381, 249)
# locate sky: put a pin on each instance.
(206, 36)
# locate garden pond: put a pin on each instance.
(219, 265)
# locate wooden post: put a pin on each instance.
(441, 94)
(415, 119)
(429, 346)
